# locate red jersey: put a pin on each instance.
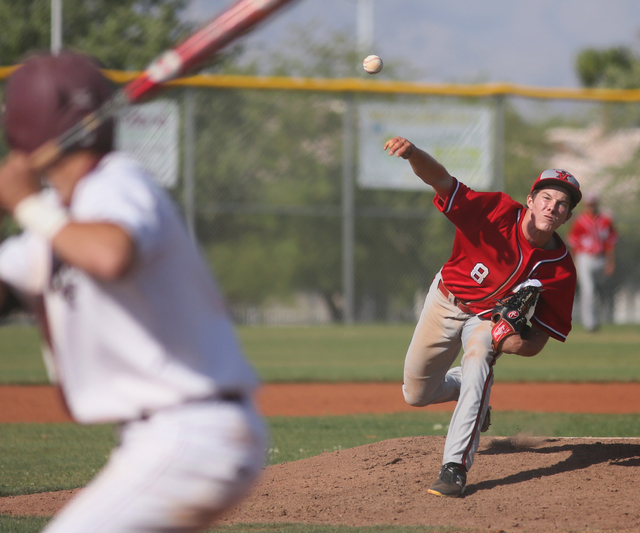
(592, 234)
(491, 256)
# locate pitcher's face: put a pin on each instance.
(550, 208)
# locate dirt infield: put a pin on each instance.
(517, 484)
(43, 404)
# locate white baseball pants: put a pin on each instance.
(173, 472)
(442, 331)
(590, 269)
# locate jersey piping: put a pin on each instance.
(451, 197)
(515, 270)
(476, 427)
(547, 327)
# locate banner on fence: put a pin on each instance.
(150, 133)
(459, 136)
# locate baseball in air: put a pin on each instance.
(372, 64)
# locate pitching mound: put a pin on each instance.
(516, 484)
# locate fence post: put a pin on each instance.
(56, 26)
(348, 211)
(188, 98)
(498, 143)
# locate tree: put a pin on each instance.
(267, 169)
(526, 153)
(618, 68)
(122, 34)
(614, 67)
(279, 156)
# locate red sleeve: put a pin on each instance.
(444, 204)
(461, 202)
(612, 236)
(555, 305)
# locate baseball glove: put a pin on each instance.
(509, 317)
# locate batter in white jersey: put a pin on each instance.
(137, 332)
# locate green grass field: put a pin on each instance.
(44, 457)
(28, 524)
(373, 353)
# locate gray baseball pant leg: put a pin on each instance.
(433, 349)
(463, 437)
(441, 332)
(590, 269)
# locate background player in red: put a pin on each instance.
(499, 245)
(592, 239)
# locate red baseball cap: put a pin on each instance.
(562, 178)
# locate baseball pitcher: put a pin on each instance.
(507, 287)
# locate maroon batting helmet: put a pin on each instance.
(48, 94)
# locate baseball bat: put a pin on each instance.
(230, 24)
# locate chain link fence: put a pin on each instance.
(269, 174)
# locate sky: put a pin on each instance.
(525, 42)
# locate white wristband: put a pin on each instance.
(39, 214)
